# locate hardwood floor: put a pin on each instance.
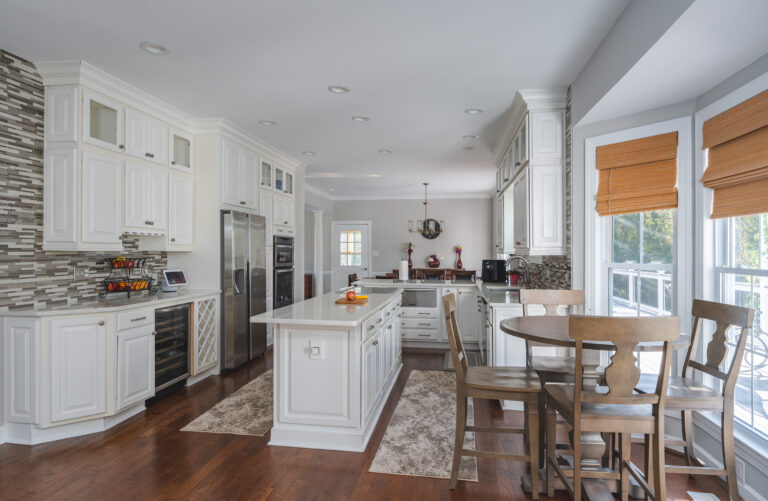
(147, 457)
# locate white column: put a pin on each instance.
(318, 251)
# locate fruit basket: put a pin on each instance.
(121, 262)
(127, 274)
(128, 285)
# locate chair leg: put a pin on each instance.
(577, 464)
(729, 454)
(542, 431)
(461, 424)
(533, 446)
(551, 449)
(626, 451)
(659, 477)
(648, 450)
(687, 420)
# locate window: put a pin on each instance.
(640, 271)
(351, 247)
(741, 275)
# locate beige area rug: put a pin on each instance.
(419, 439)
(248, 411)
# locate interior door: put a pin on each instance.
(351, 251)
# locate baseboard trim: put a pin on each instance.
(2, 435)
(213, 371)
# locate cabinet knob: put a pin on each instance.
(376, 342)
(121, 146)
(101, 322)
(149, 223)
(242, 203)
(173, 162)
(151, 155)
(517, 164)
(146, 155)
(173, 239)
(517, 243)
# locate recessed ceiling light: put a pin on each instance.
(385, 152)
(309, 153)
(374, 175)
(471, 148)
(153, 48)
(471, 136)
(338, 89)
(330, 189)
(473, 111)
(360, 118)
(268, 123)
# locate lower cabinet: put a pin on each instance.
(78, 367)
(469, 315)
(381, 354)
(135, 366)
(370, 373)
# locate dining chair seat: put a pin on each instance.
(545, 366)
(684, 393)
(561, 397)
(502, 379)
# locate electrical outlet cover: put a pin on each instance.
(80, 273)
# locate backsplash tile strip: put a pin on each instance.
(29, 276)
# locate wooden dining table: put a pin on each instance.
(553, 331)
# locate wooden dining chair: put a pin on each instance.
(351, 279)
(433, 274)
(414, 274)
(464, 275)
(492, 383)
(615, 407)
(687, 395)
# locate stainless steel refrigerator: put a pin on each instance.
(243, 287)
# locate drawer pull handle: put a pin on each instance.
(139, 318)
(371, 327)
(422, 323)
(376, 342)
(425, 335)
(101, 322)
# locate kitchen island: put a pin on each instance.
(334, 368)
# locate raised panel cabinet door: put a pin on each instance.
(278, 214)
(520, 202)
(266, 209)
(136, 196)
(61, 113)
(136, 134)
(232, 189)
(289, 212)
(157, 199)
(547, 208)
(157, 141)
(135, 366)
(21, 341)
(181, 195)
(61, 196)
(250, 161)
(498, 226)
(78, 367)
(370, 373)
(547, 135)
(469, 321)
(102, 198)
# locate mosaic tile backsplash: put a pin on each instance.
(30, 277)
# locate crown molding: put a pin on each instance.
(525, 101)
(445, 196)
(78, 72)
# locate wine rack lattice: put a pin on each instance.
(206, 353)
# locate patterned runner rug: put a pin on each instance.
(248, 411)
(419, 439)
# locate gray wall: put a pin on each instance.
(468, 221)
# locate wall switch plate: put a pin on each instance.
(80, 273)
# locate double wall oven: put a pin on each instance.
(283, 270)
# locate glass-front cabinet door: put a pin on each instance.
(266, 175)
(288, 183)
(279, 181)
(181, 151)
(102, 121)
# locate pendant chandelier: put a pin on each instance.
(427, 227)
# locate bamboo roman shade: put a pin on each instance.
(738, 158)
(638, 175)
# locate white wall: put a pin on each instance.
(468, 221)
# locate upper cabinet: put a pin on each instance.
(180, 154)
(239, 176)
(266, 175)
(146, 137)
(102, 121)
(530, 175)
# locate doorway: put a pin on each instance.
(351, 250)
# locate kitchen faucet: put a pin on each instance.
(524, 269)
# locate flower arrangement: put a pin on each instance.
(513, 276)
(458, 250)
(433, 261)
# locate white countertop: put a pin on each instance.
(323, 311)
(108, 304)
(495, 298)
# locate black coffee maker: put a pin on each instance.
(494, 270)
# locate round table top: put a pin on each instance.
(554, 331)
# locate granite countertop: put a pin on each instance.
(495, 297)
(323, 310)
(389, 282)
(109, 304)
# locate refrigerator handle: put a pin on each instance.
(238, 281)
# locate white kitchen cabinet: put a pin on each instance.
(279, 184)
(146, 137)
(267, 209)
(266, 175)
(135, 365)
(547, 138)
(370, 374)
(250, 160)
(239, 171)
(288, 188)
(498, 225)
(181, 202)
(146, 197)
(520, 201)
(62, 109)
(102, 121)
(546, 210)
(102, 198)
(78, 367)
(470, 323)
(205, 346)
(180, 150)
(61, 197)
(21, 344)
(283, 214)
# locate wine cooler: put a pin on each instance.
(171, 345)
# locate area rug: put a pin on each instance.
(248, 411)
(474, 359)
(419, 439)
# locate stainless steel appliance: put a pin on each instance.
(243, 287)
(494, 270)
(171, 345)
(283, 270)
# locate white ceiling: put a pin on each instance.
(711, 41)
(413, 67)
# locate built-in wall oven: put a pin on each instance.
(283, 271)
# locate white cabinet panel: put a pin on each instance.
(547, 213)
(22, 354)
(181, 195)
(135, 366)
(102, 198)
(230, 173)
(61, 196)
(547, 137)
(266, 209)
(157, 198)
(206, 345)
(146, 137)
(135, 194)
(469, 316)
(61, 113)
(520, 201)
(146, 197)
(250, 160)
(157, 141)
(370, 374)
(78, 367)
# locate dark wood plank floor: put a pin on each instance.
(147, 457)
